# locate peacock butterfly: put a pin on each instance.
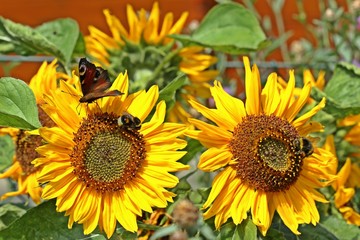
(94, 82)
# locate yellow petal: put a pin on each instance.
(252, 88)
(305, 117)
(233, 108)
(214, 158)
(286, 96)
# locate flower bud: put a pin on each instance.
(185, 214)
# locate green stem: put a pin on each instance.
(281, 28)
(159, 68)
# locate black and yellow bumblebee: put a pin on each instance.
(304, 146)
(129, 121)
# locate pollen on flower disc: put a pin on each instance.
(106, 156)
(267, 158)
(26, 145)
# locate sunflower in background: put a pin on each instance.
(319, 82)
(262, 153)
(345, 185)
(22, 170)
(150, 56)
(101, 170)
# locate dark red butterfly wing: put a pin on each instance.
(94, 82)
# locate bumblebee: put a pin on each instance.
(303, 146)
(129, 121)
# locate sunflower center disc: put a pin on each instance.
(25, 151)
(266, 154)
(26, 144)
(274, 153)
(105, 155)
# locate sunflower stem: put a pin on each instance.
(159, 68)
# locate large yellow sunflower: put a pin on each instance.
(102, 170)
(22, 170)
(265, 159)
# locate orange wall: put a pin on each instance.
(89, 12)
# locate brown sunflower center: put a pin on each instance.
(26, 145)
(25, 151)
(106, 156)
(267, 154)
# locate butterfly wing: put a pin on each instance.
(102, 82)
(87, 73)
(94, 82)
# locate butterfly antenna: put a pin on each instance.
(78, 112)
(69, 90)
(98, 106)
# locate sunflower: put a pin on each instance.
(102, 170)
(22, 170)
(141, 28)
(144, 32)
(150, 56)
(344, 185)
(352, 136)
(307, 77)
(265, 159)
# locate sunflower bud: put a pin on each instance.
(179, 235)
(185, 214)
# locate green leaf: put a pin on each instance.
(7, 151)
(8, 214)
(274, 234)
(121, 233)
(246, 230)
(229, 28)
(192, 148)
(80, 49)
(63, 33)
(42, 222)
(330, 227)
(57, 38)
(340, 228)
(165, 231)
(17, 105)
(341, 91)
(26, 40)
(168, 92)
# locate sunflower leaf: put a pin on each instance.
(340, 228)
(17, 105)
(341, 91)
(9, 213)
(168, 92)
(63, 33)
(42, 222)
(229, 28)
(165, 231)
(245, 230)
(26, 40)
(7, 150)
(330, 228)
(56, 38)
(192, 148)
